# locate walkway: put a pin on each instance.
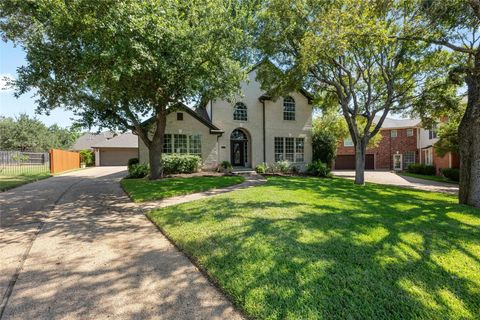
(390, 178)
(74, 246)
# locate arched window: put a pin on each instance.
(240, 112)
(288, 108)
(238, 135)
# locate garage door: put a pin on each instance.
(348, 162)
(117, 157)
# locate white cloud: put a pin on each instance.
(5, 82)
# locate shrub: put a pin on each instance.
(429, 171)
(451, 173)
(225, 166)
(261, 168)
(180, 163)
(137, 171)
(132, 161)
(280, 167)
(87, 157)
(324, 146)
(318, 169)
(416, 168)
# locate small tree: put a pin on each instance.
(117, 63)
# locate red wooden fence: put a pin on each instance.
(61, 161)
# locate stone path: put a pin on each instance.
(75, 247)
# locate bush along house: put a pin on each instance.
(251, 130)
(403, 142)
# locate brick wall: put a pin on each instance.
(387, 147)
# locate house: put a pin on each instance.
(253, 129)
(110, 149)
(404, 141)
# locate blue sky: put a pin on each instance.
(10, 59)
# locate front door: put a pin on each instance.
(397, 162)
(238, 153)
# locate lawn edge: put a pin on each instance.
(199, 267)
(24, 183)
(416, 177)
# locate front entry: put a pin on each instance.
(238, 148)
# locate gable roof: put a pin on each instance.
(390, 123)
(105, 139)
(182, 107)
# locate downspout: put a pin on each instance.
(264, 136)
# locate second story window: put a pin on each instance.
(432, 133)
(348, 142)
(240, 112)
(410, 132)
(288, 108)
(393, 133)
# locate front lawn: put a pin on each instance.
(12, 181)
(427, 177)
(307, 248)
(145, 190)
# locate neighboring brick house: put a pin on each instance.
(403, 142)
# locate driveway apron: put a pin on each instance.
(74, 246)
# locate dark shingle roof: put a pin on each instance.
(105, 140)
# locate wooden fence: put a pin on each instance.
(61, 161)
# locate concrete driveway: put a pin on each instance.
(74, 246)
(390, 178)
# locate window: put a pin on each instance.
(278, 149)
(290, 149)
(299, 150)
(288, 108)
(167, 143)
(195, 144)
(180, 143)
(408, 158)
(240, 112)
(393, 133)
(410, 132)
(432, 133)
(348, 142)
(180, 116)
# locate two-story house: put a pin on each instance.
(252, 129)
(404, 141)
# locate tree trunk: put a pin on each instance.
(156, 147)
(469, 144)
(360, 150)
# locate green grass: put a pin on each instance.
(306, 248)
(145, 190)
(426, 177)
(12, 181)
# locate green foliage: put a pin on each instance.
(420, 168)
(132, 161)
(136, 171)
(328, 249)
(451, 173)
(324, 146)
(448, 132)
(280, 167)
(318, 169)
(87, 157)
(25, 133)
(225, 166)
(261, 168)
(180, 163)
(147, 190)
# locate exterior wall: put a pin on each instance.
(189, 125)
(424, 140)
(221, 113)
(387, 147)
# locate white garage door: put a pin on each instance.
(117, 156)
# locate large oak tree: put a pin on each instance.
(118, 62)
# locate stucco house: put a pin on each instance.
(252, 129)
(404, 141)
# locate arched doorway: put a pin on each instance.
(239, 148)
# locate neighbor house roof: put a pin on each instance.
(390, 123)
(105, 140)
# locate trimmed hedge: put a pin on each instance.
(137, 171)
(180, 163)
(421, 169)
(318, 169)
(451, 173)
(131, 162)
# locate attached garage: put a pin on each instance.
(117, 156)
(347, 162)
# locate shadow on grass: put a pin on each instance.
(310, 248)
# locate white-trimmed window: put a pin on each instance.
(182, 143)
(290, 149)
(393, 133)
(408, 158)
(432, 133)
(348, 142)
(240, 112)
(409, 132)
(288, 108)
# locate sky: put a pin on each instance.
(12, 58)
